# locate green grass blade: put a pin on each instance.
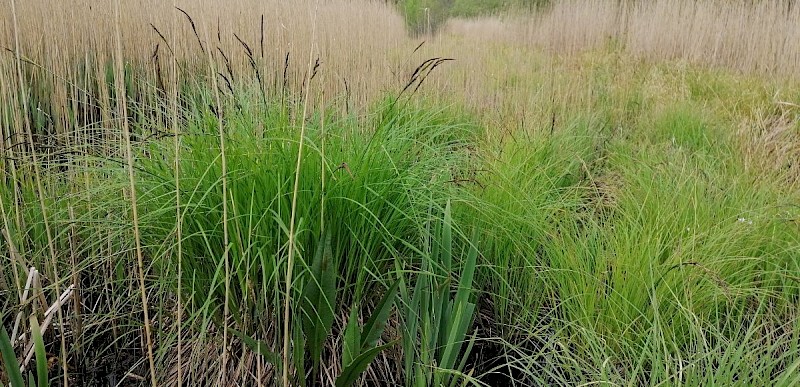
(459, 325)
(10, 360)
(41, 355)
(790, 377)
(352, 339)
(374, 327)
(258, 346)
(353, 370)
(467, 275)
(318, 299)
(298, 358)
(464, 358)
(447, 241)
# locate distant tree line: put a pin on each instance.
(426, 16)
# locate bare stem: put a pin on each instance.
(119, 83)
(179, 218)
(226, 255)
(290, 260)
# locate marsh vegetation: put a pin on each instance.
(353, 192)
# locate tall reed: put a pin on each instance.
(123, 122)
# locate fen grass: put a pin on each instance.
(638, 227)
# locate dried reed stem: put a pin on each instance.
(48, 316)
(290, 260)
(323, 162)
(119, 82)
(32, 274)
(15, 259)
(226, 255)
(76, 299)
(179, 217)
(39, 186)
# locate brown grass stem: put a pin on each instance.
(119, 82)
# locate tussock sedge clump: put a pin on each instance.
(345, 193)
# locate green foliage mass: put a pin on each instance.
(427, 16)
